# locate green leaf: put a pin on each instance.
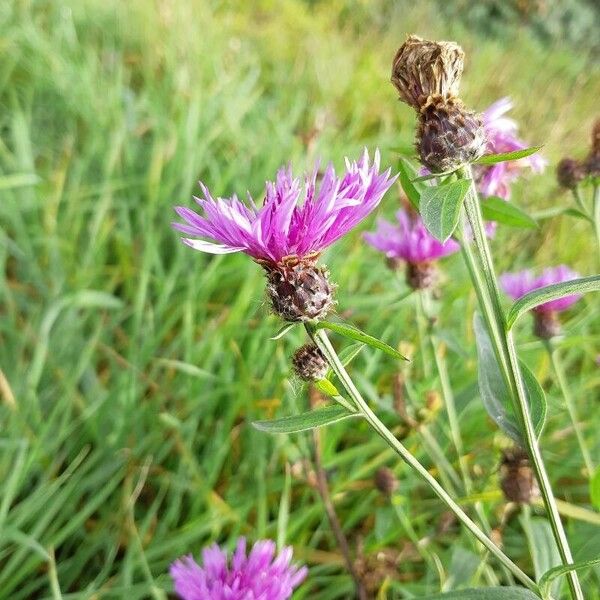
(354, 333)
(496, 593)
(542, 546)
(283, 330)
(495, 395)
(326, 387)
(430, 176)
(595, 489)
(305, 421)
(575, 212)
(491, 159)
(440, 207)
(549, 576)
(348, 354)
(507, 213)
(406, 174)
(551, 292)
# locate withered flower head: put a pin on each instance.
(427, 77)
(517, 478)
(570, 173)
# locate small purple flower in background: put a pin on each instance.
(289, 231)
(501, 132)
(259, 576)
(410, 242)
(518, 284)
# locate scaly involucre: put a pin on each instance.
(520, 283)
(294, 220)
(259, 576)
(408, 240)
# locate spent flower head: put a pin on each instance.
(516, 285)
(259, 576)
(427, 76)
(288, 232)
(502, 136)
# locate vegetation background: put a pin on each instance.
(131, 367)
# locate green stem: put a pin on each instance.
(570, 403)
(322, 341)
(515, 381)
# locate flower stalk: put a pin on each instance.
(322, 341)
(505, 347)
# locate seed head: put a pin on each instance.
(427, 77)
(517, 479)
(386, 481)
(423, 68)
(569, 173)
(299, 290)
(309, 363)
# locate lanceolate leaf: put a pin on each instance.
(551, 292)
(326, 387)
(283, 330)
(547, 578)
(507, 213)
(354, 333)
(496, 593)
(491, 159)
(407, 174)
(440, 207)
(495, 394)
(305, 421)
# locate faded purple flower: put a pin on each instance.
(259, 576)
(501, 132)
(518, 284)
(294, 220)
(408, 240)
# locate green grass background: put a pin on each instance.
(131, 366)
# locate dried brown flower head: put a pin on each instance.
(309, 363)
(517, 478)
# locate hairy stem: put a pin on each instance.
(515, 381)
(320, 338)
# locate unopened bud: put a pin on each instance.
(517, 478)
(427, 77)
(299, 290)
(421, 275)
(309, 363)
(546, 324)
(569, 173)
(385, 481)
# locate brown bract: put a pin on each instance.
(423, 68)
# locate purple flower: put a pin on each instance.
(501, 132)
(258, 576)
(518, 284)
(408, 240)
(294, 220)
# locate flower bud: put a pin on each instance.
(385, 481)
(421, 275)
(427, 77)
(299, 290)
(309, 363)
(569, 173)
(517, 479)
(546, 324)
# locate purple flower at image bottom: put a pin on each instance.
(518, 284)
(294, 220)
(260, 575)
(501, 133)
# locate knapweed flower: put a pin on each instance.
(427, 76)
(410, 242)
(259, 576)
(289, 231)
(501, 135)
(516, 285)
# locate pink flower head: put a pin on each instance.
(258, 576)
(294, 220)
(501, 132)
(518, 284)
(408, 240)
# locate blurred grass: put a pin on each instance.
(131, 367)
